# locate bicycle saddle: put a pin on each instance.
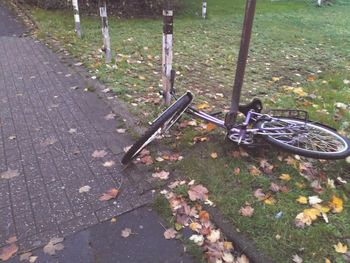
(255, 105)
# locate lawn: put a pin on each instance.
(299, 58)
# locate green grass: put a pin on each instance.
(291, 41)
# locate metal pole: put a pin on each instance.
(241, 63)
(105, 32)
(204, 9)
(167, 51)
(76, 17)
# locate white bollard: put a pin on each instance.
(105, 33)
(76, 17)
(167, 54)
(204, 9)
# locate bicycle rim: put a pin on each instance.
(305, 138)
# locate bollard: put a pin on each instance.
(76, 17)
(167, 53)
(105, 33)
(204, 9)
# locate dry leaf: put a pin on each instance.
(228, 245)
(197, 239)
(170, 233)
(210, 127)
(302, 200)
(110, 116)
(147, 160)
(9, 174)
(202, 106)
(237, 171)
(162, 175)
(336, 204)
(121, 130)
(99, 154)
(258, 193)
(198, 192)
(341, 248)
(8, 251)
(84, 189)
(109, 164)
(246, 211)
(126, 232)
(214, 236)
(254, 171)
(110, 194)
(203, 216)
(275, 187)
(228, 258)
(313, 200)
(214, 155)
(55, 244)
(285, 177)
(297, 259)
(194, 226)
(242, 259)
(25, 256)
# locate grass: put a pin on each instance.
(294, 44)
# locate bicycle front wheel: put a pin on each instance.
(159, 126)
(305, 138)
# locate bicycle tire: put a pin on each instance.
(160, 125)
(315, 141)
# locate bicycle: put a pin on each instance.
(294, 133)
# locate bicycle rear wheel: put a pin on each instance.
(159, 126)
(305, 138)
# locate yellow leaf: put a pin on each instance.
(274, 79)
(336, 204)
(311, 78)
(228, 245)
(214, 155)
(195, 226)
(285, 177)
(321, 208)
(270, 201)
(302, 200)
(313, 213)
(203, 106)
(299, 91)
(340, 248)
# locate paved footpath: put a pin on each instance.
(48, 133)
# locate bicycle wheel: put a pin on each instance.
(163, 123)
(304, 138)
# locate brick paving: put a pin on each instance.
(48, 132)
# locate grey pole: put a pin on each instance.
(76, 17)
(105, 32)
(167, 52)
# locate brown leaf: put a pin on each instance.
(198, 192)
(237, 171)
(162, 175)
(246, 211)
(8, 251)
(110, 194)
(99, 154)
(203, 216)
(275, 187)
(55, 244)
(266, 166)
(254, 171)
(147, 160)
(170, 233)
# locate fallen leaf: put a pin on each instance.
(203, 216)
(214, 236)
(9, 174)
(275, 187)
(8, 251)
(336, 204)
(237, 171)
(162, 175)
(109, 164)
(55, 244)
(302, 200)
(110, 116)
(48, 142)
(247, 211)
(194, 226)
(110, 194)
(297, 259)
(147, 160)
(202, 106)
(314, 200)
(228, 245)
(269, 201)
(285, 177)
(254, 171)
(126, 232)
(214, 155)
(242, 259)
(197, 239)
(210, 127)
(228, 257)
(341, 248)
(99, 154)
(258, 193)
(170, 233)
(198, 192)
(121, 130)
(84, 189)
(25, 256)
